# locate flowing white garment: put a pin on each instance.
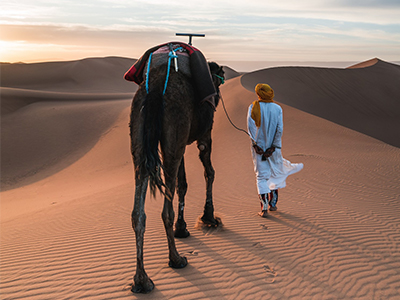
(271, 174)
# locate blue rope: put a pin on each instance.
(148, 73)
(170, 57)
(220, 77)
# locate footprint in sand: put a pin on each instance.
(271, 274)
(258, 245)
(193, 253)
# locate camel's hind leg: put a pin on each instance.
(142, 283)
(204, 146)
(171, 165)
(180, 225)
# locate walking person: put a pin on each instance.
(265, 127)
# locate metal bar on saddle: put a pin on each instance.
(190, 35)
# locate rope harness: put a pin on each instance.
(171, 55)
(220, 77)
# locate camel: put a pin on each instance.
(161, 126)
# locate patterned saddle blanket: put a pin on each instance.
(161, 55)
(194, 65)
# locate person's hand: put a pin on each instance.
(268, 152)
(258, 149)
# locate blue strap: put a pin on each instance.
(170, 56)
(148, 73)
(180, 48)
(220, 77)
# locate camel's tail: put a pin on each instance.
(152, 110)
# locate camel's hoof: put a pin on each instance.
(212, 222)
(144, 287)
(179, 264)
(180, 230)
(181, 233)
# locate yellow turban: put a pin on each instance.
(265, 94)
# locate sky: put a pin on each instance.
(246, 30)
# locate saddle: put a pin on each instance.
(160, 57)
(191, 62)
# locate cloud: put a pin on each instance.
(242, 30)
(271, 41)
(73, 42)
(77, 33)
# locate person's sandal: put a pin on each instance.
(263, 214)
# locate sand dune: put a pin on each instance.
(87, 75)
(81, 80)
(65, 213)
(365, 64)
(40, 138)
(365, 99)
(230, 73)
(13, 99)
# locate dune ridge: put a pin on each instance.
(13, 99)
(85, 75)
(365, 99)
(365, 64)
(66, 234)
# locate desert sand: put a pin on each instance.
(67, 189)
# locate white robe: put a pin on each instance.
(271, 174)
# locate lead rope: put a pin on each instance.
(227, 115)
(253, 142)
(240, 129)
